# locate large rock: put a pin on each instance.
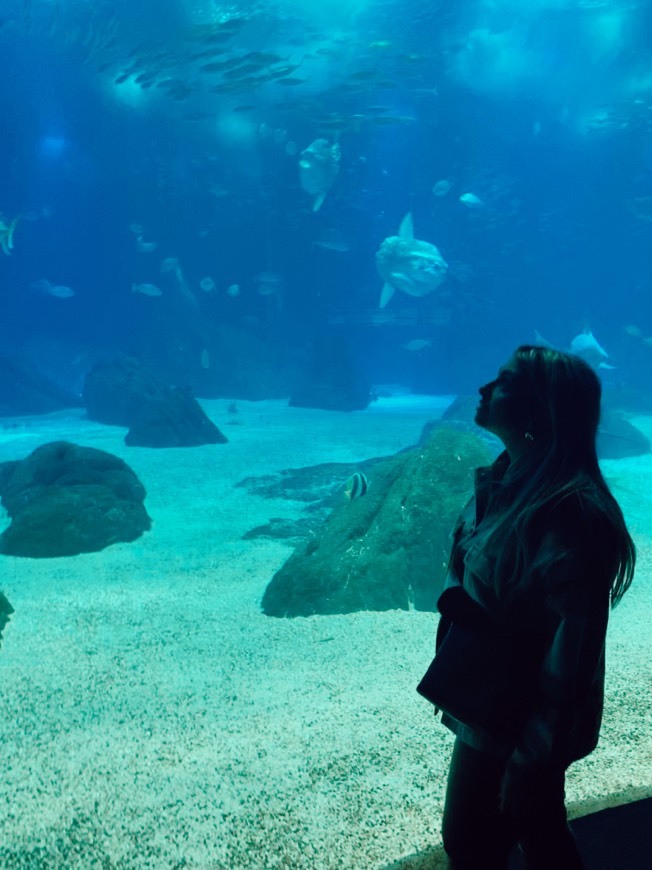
(124, 392)
(64, 499)
(5, 612)
(174, 418)
(388, 549)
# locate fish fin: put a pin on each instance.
(406, 230)
(386, 294)
(589, 332)
(10, 235)
(319, 199)
(539, 339)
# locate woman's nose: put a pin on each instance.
(485, 390)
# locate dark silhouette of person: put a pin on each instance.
(540, 555)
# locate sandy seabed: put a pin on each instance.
(152, 717)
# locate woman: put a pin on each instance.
(539, 555)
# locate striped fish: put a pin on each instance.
(356, 486)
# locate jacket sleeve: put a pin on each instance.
(565, 722)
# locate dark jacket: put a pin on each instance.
(539, 660)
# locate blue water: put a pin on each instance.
(541, 110)
(119, 153)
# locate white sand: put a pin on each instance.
(151, 716)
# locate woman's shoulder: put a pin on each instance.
(572, 511)
(583, 519)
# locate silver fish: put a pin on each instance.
(417, 344)
(58, 291)
(319, 164)
(144, 247)
(332, 240)
(146, 289)
(268, 283)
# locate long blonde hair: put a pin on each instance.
(563, 393)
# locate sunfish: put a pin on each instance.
(319, 164)
(408, 264)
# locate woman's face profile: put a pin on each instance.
(503, 406)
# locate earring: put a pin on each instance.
(528, 436)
